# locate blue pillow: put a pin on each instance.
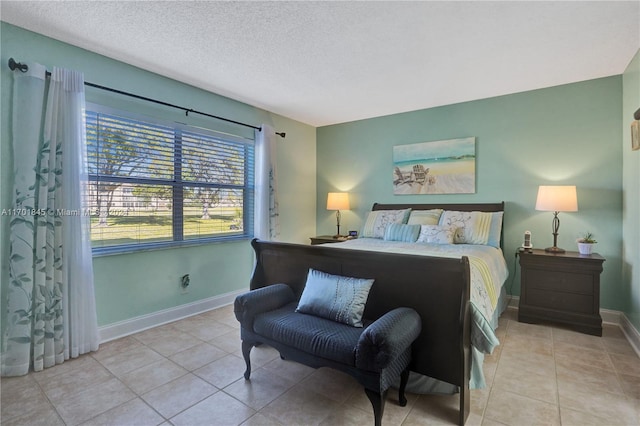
(341, 299)
(400, 232)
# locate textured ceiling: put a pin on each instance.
(330, 62)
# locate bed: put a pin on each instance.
(488, 273)
(444, 284)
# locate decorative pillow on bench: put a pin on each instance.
(337, 298)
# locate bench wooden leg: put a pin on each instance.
(404, 378)
(377, 400)
(246, 350)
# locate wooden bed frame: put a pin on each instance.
(437, 288)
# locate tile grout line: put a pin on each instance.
(486, 404)
(168, 419)
(164, 358)
(49, 401)
(555, 374)
(129, 388)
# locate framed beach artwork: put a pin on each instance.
(438, 167)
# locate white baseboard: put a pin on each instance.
(610, 317)
(631, 333)
(144, 322)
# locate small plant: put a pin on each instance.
(587, 238)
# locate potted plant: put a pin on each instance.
(585, 243)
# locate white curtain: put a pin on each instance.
(266, 217)
(51, 314)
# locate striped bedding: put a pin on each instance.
(487, 264)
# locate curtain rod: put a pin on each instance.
(13, 65)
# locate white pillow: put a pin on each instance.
(436, 234)
(474, 227)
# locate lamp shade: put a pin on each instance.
(557, 198)
(338, 201)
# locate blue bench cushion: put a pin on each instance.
(317, 336)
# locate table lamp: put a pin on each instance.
(556, 199)
(338, 201)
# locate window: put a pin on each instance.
(154, 184)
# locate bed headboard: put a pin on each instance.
(481, 207)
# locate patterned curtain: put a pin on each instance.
(51, 313)
(266, 216)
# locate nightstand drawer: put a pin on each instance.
(567, 302)
(559, 281)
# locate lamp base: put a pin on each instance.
(554, 249)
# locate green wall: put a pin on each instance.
(573, 134)
(561, 135)
(132, 285)
(631, 199)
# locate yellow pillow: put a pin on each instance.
(424, 217)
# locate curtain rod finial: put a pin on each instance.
(13, 65)
(281, 134)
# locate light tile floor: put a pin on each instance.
(190, 372)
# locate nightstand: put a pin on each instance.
(563, 288)
(326, 239)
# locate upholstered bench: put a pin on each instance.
(375, 353)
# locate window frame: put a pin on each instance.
(177, 184)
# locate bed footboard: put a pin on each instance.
(437, 288)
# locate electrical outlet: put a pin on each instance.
(184, 283)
